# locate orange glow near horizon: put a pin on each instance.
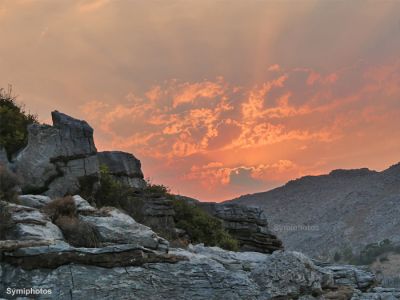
(217, 99)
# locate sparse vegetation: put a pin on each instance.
(201, 227)
(110, 191)
(14, 123)
(77, 232)
(369, 254)
(8, 185)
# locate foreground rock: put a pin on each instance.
(247, 224)
(198, 273)
(31, 224)
(115, 227)
(57, 156)
(61, 253)
(124, 167)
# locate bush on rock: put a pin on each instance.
(76, 232)
(8, 185)
(14, 122)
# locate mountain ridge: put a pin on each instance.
(350, 209)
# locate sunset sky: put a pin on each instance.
(216, 98)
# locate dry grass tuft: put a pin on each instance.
(77, 232)
(6, 222)
(61, 207)
(8, 185)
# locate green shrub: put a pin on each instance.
(14, 122)
(201, 227)
(111, 192)
(8, 185)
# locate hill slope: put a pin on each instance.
(320, 215)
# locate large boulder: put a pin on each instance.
(116, 227)
(57, 156)
(248, 224)
(124, 167)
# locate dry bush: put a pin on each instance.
(8, 185)
(6, 222)
(61, 207)
(77, 232)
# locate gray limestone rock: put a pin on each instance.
(245, 223)
(31, 224)
(57, 156)
(35, 201)
(124, 167)
(196, 273)
(115, 227)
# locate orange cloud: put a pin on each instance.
(182, 122)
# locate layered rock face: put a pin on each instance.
(158, 213)
(124, 167)
(247, 224)
(57, 156)
(196, 273)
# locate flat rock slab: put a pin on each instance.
(54, 255)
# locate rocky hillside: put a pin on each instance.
(344, 210)
(132, 262)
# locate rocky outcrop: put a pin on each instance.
(112, 225)
(57, 156)
(196, 273)
(31, 224)
(247, 224)
(115, 227)
(158, 213)
(124, 167)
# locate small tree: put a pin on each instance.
(14, 121)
